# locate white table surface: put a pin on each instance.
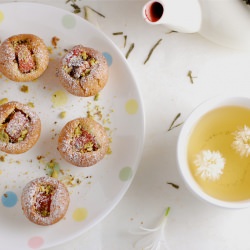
(166, 91)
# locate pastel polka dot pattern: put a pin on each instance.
(1, 16)
(108, 58)
(9, 199)
(80, 214)
(120, 98)
(131, 106)
(126, 173)
(35, 242)
(68, 21)
(59, 98)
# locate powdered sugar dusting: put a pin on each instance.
(27, 120)
(59, 201)
(76, 157)
(8, 60)
(15, 126)
(91, 83)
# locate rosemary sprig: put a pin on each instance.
(151, 50)
(173, 185)
(171, 31)
(117, 33)
(86, 10)
(125, 37)
(191, 77)
(129, 50)
(68, 1)
(74, 6)
(125, 40)
(172, 125)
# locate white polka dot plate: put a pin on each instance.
(96, 190)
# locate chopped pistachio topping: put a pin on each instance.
(31, 104)
(44, 213)
(4, 137)
(92, 61)
(4, 100)
(88, 147)
(52, 168)
(23, 135)
(43, 199)
(54, 174)
(96, 97)
(84, 55)
(78, 131)
(25, 88)
(50, 49)
(62, 114)
(109, 151)
(47, 189)
(67, 69)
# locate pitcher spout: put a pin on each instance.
(178, 15)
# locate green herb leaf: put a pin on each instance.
(125, 41)
(173, 185)
(87, 8)
(52, 168)
(191, 77)
(129, 50)
(172, 126)
(151, 50)
(172, 31)
(117, 33)
(76, 8)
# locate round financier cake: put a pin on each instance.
(45, 200)
(83, 71)
(83, 142)
(20, 127)
(23, 57)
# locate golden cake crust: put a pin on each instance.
(20, 128)
(23, 57)
(83, 71)
(45, 200)
(83, 142)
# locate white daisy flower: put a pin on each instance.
(241, 141)
(155, 238)
(210, 164)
